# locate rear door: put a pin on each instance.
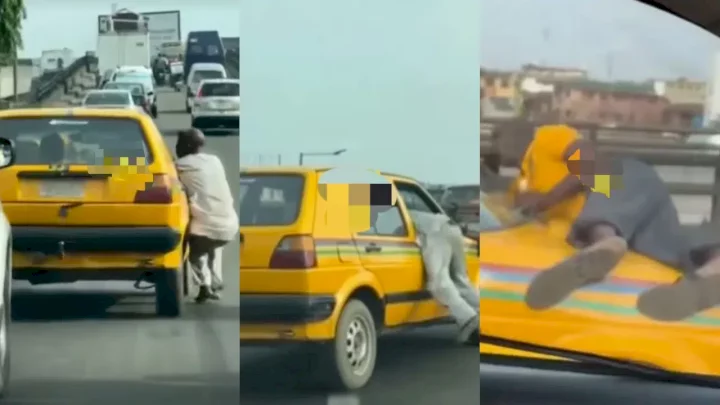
(94, 166)
(271, 207)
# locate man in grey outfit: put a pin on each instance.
(638, 215)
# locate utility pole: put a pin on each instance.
(16, 96)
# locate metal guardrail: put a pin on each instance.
(655, 146)
(44, 90)
(232, 62)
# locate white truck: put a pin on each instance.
(116, 49)
(53, 59)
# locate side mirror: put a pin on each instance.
(7, 153)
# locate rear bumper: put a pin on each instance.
(285, 308)
(213, 121)
(54, 239)
(40, 275)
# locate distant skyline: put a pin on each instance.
(612, 39)
(73, 24)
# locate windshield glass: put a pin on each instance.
(226, 89)
(75, 141)
(605, 72)
(107, 98)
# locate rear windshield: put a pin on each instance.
(134, 88)
(221, 89)
(201, 75)
(270, 199)
(76, 140)
(195, 49)
(106, 99)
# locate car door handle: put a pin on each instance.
(373, 248)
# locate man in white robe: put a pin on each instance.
(213, 220)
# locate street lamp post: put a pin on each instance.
(334, 153)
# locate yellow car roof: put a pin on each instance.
(307, 169)
(70, 112)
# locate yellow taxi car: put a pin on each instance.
(94, 195)
(302, 285)
(597, 325)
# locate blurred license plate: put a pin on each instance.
(224, 105)
(62, 189)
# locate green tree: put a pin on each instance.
(12, 14)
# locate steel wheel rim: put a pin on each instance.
(358, 346)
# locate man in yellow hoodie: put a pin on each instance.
(558, 172)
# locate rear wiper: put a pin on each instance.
(627, 368)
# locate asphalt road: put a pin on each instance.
(100, 343)
(517, 386)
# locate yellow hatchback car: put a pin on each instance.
(597, 326)
(299, 284)
(94, 195)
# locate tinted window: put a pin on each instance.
(267, 200)
(201, 75)
(76, 140)
(107, 99)
(213, 50)
(221, 89)
(195, 49)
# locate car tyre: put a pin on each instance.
(5, 322)
(154, 111)
(353, 352)
(169, 286)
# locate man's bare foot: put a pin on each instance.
(587, 266)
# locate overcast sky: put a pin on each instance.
(626, 38)
(393, 82)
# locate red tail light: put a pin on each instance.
(294, 252)
(159, 192)
(199, 93)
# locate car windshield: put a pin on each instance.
(220, 89)
(608, 72)
(497, 213)
(201, 75)
(67, 140)
(270, 199)
(107, 98)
